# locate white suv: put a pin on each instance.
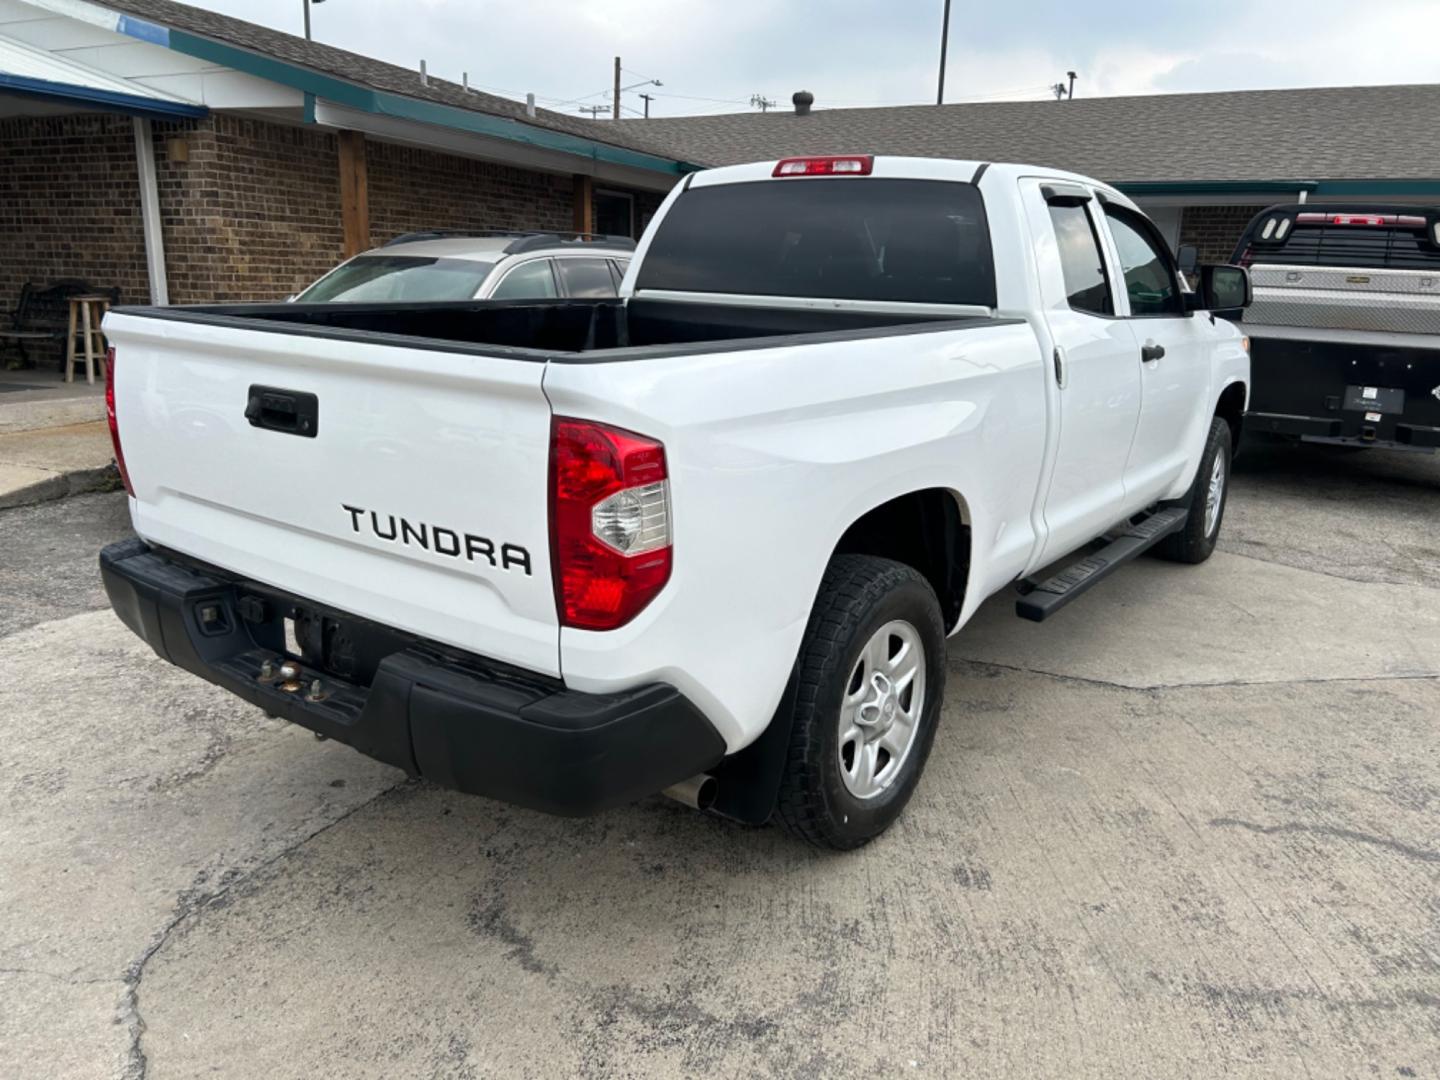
(498, 266)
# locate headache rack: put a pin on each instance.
(524, 240)
(1363, 237)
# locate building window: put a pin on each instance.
(614, 213)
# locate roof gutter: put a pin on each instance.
(314, 84)
(384, 103)
(101, 100)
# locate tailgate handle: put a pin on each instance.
(291, 412)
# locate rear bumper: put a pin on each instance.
(454, 718)
(1332, 430)
(1360, 393)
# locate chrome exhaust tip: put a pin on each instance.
(698, 792)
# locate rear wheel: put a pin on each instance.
(1205, 500)
(869, 683)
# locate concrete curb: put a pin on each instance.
(33, 415)
(61, 485)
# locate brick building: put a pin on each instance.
(183, 156)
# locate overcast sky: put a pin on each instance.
(712, 55)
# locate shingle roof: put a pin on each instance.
(374, 74)
(1362, 133)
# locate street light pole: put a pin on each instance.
(944, 41)
(306, 5)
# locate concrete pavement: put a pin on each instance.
(1186, 828)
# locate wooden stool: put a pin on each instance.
(86, 313)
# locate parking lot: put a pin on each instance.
(1188, 827)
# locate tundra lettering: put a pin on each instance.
(439, 539)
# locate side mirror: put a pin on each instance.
(1187, 258)
(1225, 288)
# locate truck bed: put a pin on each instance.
(560, 330)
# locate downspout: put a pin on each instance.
(150, 211)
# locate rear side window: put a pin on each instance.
(586, 277)
(1084, 269)
(528, 281)
(851, 238)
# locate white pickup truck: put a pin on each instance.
(706, 538)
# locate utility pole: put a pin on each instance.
(594, 110)
(944, 41)
(617, 88)
(1070, 94)
(761, 102)
(647, 98)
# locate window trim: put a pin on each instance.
(1146, 228)
(488, 292)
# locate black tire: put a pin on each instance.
(859, 596)
(1193, 544)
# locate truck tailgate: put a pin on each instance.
(417, 499)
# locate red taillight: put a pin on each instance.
(609, 523)
(841, 165)
(110, 416)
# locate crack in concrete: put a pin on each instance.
(1224, 549)
(68, 980)
(1418, 676)
(192, 903)
(1407, 850)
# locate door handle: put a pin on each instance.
(1151, 351)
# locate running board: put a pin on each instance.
(1042, 599)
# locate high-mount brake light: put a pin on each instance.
(610, 537)
(110, 417)
(835, 165)
(1405, 221)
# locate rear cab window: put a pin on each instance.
(844, 238)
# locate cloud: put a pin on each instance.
(857, 52)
